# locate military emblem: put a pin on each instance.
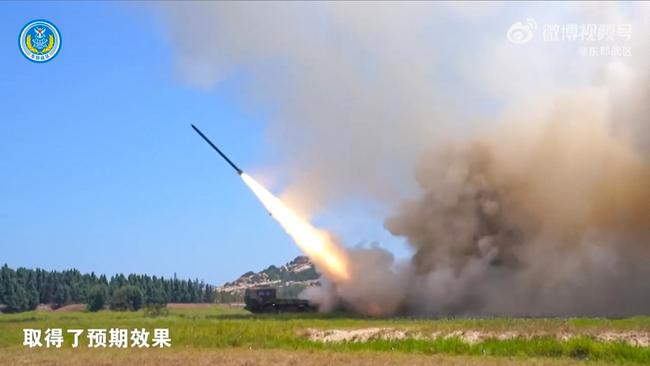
(39, 41)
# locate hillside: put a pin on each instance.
(290, 279)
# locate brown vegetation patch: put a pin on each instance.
(640, 339)
(71, 308)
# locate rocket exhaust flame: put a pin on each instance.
(316, 243)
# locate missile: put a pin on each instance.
(239, 171)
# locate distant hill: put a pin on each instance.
(290, 279)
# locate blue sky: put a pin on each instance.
(99, 168)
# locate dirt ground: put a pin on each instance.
(71, 308)
(201, 305)
(246, 357)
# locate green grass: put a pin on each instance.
(220, 327)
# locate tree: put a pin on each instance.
(209, 294)
(127, 298)
(23, 289)
(61, 295)
(15, 298)
(97, 296)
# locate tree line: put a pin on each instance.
(24, 289)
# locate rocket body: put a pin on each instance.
(239, 171)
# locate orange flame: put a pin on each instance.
(317, 244)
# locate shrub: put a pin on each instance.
(126, 298)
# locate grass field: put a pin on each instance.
(231, 336)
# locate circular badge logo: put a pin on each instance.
(39, 41)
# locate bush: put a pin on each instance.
(96, 298)
(127, 298)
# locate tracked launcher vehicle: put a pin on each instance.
(265, 300)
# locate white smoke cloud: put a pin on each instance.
(531, 161)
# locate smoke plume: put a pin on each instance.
(531, 191)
